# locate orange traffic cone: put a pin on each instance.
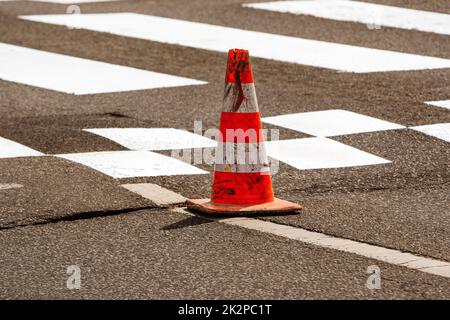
(242, 181)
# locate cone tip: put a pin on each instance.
(237, 51)
(239, 67)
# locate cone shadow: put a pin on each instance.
(188, 222)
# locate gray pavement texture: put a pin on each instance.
(160, 254)
(155, 253)
(55, 189)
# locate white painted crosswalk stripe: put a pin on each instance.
(154, 138)
(9, 186)
(362, 12)
(438, 130)
(62, 1)
(263, 45)
(132, 164)
(329, 123)
(442, 103)
(319, 153)
(76, 75)
(160, 196)
(11, 149)
(74, 1)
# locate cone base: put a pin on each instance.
(277, 206)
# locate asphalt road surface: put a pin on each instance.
(379, 175)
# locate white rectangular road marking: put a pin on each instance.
(319, 153)
(391, 256)
(11, 149)
(330, 123)
(7, 186)
(131, 164)
(73, 1)
(154, 138)
(262, 45)
(79, 76)
(368, 13)
(160, 196)
(442, 103)
(438, 130)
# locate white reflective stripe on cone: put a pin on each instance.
(241, 153)
(241, 157)
(240, 135)
(231, 98)
(243, 168)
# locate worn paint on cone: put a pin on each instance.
(242, 182)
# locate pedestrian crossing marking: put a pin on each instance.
(319, 153)
(73, 1)
(11, 149)
(63, 1)
(316, 153)
(329, 123)
(154, 138)
(438, 130)
(442, 103)
(76, 75)
(133, 164)
(9, 186)
(363, 12)
(314, 53)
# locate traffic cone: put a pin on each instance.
(242, 181)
